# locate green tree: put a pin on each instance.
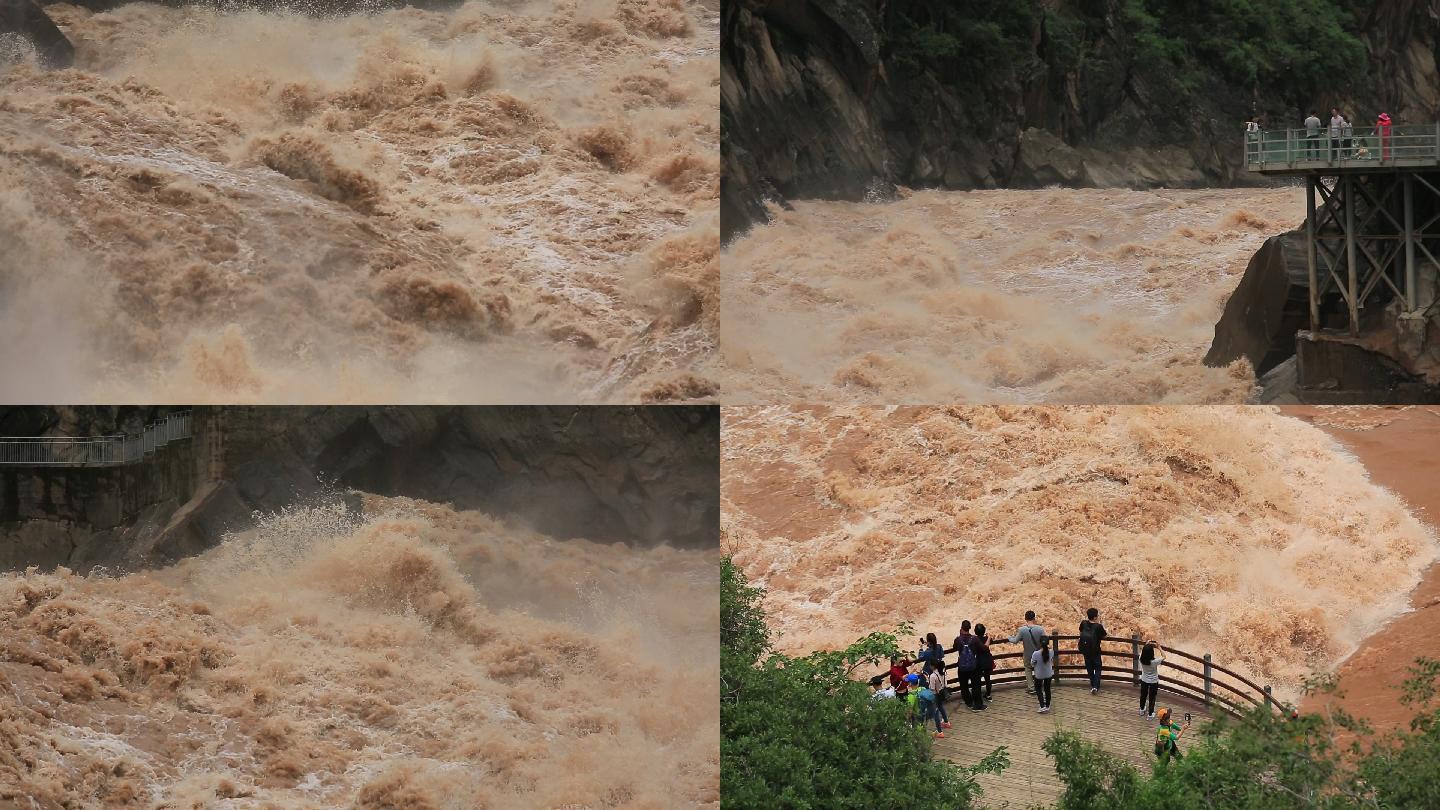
(1265, 762)
(801, 732)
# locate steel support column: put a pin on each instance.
(1310, 180)
(1347, 199)
(1410, 300)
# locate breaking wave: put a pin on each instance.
(423, 658)
(1237, 531)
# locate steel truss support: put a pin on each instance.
(1364, 235)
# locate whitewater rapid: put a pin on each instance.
(1005, 296)
(1237, 531)
(502, 202)
(422, 658)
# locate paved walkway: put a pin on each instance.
(1110, 718)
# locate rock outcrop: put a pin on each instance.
(1269, 305)
(25, 17)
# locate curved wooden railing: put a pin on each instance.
(1209, 684)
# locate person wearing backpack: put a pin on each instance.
(927, 701)
(986, 662)
(1029, 637)
(1092, 632)
(966, 662)
(1167, 739)
(936, 682)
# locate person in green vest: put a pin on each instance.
(1167, 738)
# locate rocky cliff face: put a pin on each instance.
(636, 475)
(815, 103)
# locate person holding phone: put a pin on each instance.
(1167, 737)
(1151, 657)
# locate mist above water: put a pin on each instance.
(422, 658)
(1235, 531)
(1049, 295)
(503, 202)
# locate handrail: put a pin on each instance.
(1205, 691)
(94, 451)
(1363, 146)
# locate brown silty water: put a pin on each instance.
(1237, 531)
(498, 203)
(425, 658)
(1051, 295)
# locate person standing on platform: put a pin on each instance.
(966, 661)
(987, 661)
(1044, 664)
(1150, 660)
(1092, 632)
(1312, 137)
(1029, 636)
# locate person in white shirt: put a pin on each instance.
(1044, 665)
(936, 681)
(1151, 657)
(883, 691)
(1029, 637)
(1312, 137)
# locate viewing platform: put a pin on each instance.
(1189, 683)
(1371, 238)
(1365, 150)
(93, 451)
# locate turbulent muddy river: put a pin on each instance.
(1053, 295)
(1241, 532)
(423, 658)
(507, 201)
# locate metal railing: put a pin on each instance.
(1405, 145)
(93, 451)
(1210, 684)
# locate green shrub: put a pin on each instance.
(803, 733)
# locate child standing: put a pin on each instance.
(1044, 666)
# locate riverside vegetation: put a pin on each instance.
(802, 732)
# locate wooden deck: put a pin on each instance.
(1110, 718)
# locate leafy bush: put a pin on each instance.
(803, 733)
(1264, 762)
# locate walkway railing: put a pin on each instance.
(93, 451)
(1201, 678)
(1407, 145)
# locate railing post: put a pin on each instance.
(1209, 680)
(1290, 147)
(1269, 699)
(1135, 658)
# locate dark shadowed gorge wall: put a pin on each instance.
(642, 476)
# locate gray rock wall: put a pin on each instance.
(643, 476)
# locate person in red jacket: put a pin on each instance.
(1382, 128)
(899, 668)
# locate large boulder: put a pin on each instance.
(25, 18)
(1267, 308)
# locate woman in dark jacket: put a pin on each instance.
(930, 650)
(985, 661)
